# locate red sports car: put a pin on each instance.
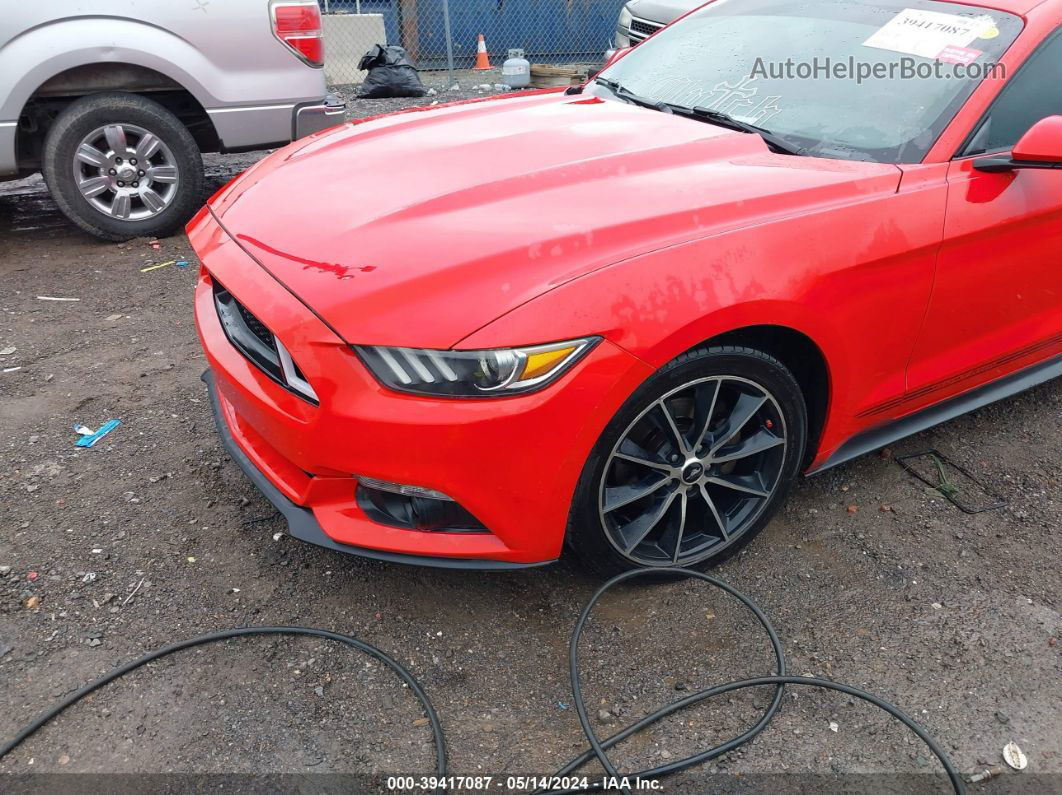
(626, 316)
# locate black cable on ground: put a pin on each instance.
(213, 637)
(780, 680)
(598, 747)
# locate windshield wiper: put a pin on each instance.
(726, 120)
(627, 95)
(776, 142)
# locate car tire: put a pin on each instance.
(710, 479)
(122, 166)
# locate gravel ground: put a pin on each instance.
(155, 535)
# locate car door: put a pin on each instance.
(996, 304)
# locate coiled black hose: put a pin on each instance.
(598, 748)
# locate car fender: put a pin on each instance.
(100, 40)
(97, 40)
(825, 274)
(652, 343)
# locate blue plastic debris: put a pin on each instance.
(182, 263)
(89, 438)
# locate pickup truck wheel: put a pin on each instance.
(122, 166)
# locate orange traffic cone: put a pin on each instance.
(482, 61)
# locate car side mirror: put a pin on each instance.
(1040, 147)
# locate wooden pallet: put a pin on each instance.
(549, 76)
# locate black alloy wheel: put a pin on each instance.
(693, 465)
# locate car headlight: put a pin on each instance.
(625, 18)
(490, 373)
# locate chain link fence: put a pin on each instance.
(441, 36)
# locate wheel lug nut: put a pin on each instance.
(141, 173)
(112, 172)
(121, 184)
(136, 184)
(118, 160)
(132, 161)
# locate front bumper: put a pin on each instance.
(316, 116)
(513, 463)
(301, 522)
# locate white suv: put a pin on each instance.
(115, 104)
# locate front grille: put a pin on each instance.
(642, 28)
(247, 334)
(259, 345)
(256, 327)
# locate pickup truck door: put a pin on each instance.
(996, 304)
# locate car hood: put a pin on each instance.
(417, 229)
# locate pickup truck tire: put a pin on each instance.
(122, 166)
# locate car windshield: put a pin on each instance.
(854, 80)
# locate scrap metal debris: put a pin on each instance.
(1014, 756)
(984, 775)
(134, 592)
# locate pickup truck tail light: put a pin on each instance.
(297, 23)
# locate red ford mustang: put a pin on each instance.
(627, 316)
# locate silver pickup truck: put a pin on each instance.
(640, 19)
(114, 100)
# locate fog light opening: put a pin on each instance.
(414, 508)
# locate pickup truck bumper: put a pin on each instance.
(317, 116)
(253, 127)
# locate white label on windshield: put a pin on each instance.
(927, 33)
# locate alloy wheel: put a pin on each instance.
(693, 471)
(126, 172)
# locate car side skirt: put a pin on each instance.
(942, 412)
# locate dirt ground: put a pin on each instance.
(155, 535)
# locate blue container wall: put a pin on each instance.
(549, 31)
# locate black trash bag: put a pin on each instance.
(391, 74)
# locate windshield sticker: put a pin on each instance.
(959, 55)
(990, 31)
(928, 33)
